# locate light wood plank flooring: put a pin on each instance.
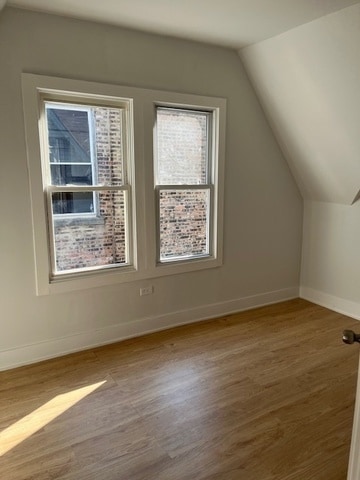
(261, 395)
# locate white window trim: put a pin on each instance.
(208, 185)
(144, 228)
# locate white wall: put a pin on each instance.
(330, 273)
(308, 82)
(263, 216)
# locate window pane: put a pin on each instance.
(69, 135)
(86, 134)
(182, 147)
(71, 174)
(73, 203)
(184, 223)
(81, 243)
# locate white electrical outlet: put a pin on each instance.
(146, 291)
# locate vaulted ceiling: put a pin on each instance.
(308, 82)
(231, 23)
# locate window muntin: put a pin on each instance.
(85, 177)
(184, 184)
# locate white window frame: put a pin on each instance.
(49, 189)
(80, 108)
(143, 241)
(208, 185)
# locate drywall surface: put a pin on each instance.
(263, 207)
(331, 261)
(308, 82)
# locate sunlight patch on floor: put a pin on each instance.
(27, 426)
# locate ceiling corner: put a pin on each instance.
(357, 197)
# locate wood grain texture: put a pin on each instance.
(266, 394)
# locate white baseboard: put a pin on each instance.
(51, 348)
(338, 304)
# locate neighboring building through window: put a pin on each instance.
(71, 156)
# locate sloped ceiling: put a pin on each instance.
(231, 23)
(308, 80)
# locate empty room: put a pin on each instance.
(179, 196)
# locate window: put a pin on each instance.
(71, 156)
(126, 183)
(85, 176)
(184, 183)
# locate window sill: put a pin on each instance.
(122, 274)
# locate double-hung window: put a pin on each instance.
(125, 183)
(184, 183)
(86, 183)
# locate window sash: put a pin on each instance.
(52, 219)
(210, 223)
(61, 101)
(210, 125)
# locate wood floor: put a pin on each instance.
(262, 395)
